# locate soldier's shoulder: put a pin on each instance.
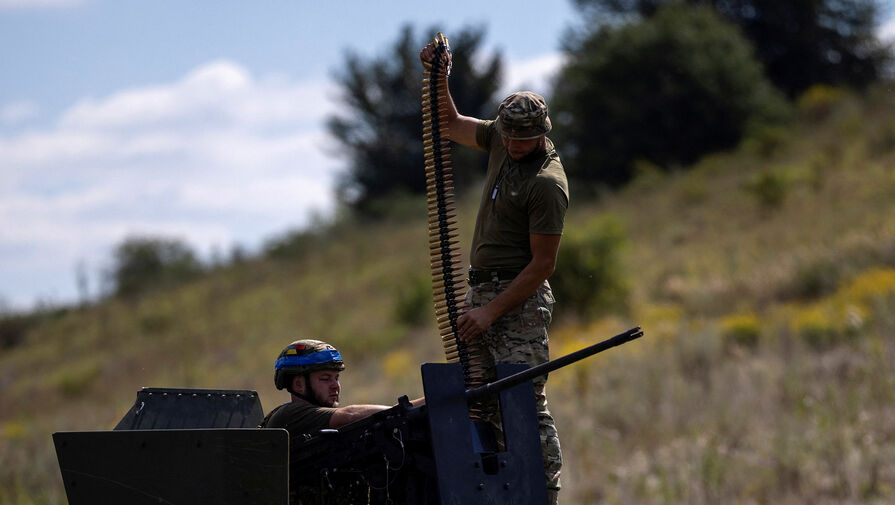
(552, 171)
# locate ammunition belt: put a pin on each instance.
(448, 274)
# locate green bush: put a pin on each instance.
(145, 263)
(414, 300)
(765, 140)
(741, 329)
(294, 244)
(13, 329)
(590, 276)
(666, 90)
(818, 102)
(76, 380)
(769, 188)
(815, 327)
(814, 279)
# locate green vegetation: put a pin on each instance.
(381, 132)
(767, 374)
(146, 263)
(590, 269)
(826, 41)
(666, 90)
(657, 83)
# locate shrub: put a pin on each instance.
(741, 329)
(75, 381)
(826, 324)
(871, 285)
(818, 102)
(814, 279)
(292, 245)
(769, 188)
(765, 140)
(413, 300)
(13, 329)
(144, 263)
(815, 326)
(590, 276)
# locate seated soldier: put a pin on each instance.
(309, 370)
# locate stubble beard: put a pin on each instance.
(326, 402)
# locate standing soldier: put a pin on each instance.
(515, 243)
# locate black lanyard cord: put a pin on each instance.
(503, 174)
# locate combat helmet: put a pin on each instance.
(523, 116)
(303, 357)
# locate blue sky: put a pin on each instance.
(197, 120)
(200, 120)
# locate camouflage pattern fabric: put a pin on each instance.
(520, 336)
(523, 116)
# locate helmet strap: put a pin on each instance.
(308, 395)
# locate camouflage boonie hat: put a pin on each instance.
(523, 116)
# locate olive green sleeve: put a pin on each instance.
(484, 134)
(301, 417)
(547, 203)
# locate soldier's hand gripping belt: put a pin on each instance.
(447, 267)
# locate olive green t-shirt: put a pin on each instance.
(299, 417)
(519, 198)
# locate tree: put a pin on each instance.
(665, 90)
(382, 136)
(799, 42)
(143, 263)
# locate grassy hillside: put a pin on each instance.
(764, 279)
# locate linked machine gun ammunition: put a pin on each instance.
(448, 273)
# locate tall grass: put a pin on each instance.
(766, 374)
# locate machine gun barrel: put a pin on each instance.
(545, 368)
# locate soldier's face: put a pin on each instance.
(325, 387)
(518, 149)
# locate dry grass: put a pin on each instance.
(766, 375)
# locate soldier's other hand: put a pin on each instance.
(473, 323)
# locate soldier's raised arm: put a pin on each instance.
(460, 128)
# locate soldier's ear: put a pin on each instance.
(298, 384)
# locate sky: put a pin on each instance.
(201, 121)
(196, 120)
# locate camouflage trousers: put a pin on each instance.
(520, 336)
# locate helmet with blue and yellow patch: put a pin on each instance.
(305, 356)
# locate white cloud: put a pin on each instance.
(533, 74)
(886, 32)
(222, 92)
(217, 157)
(17, 112)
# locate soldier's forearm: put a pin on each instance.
(523, 286)
(351, 413)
